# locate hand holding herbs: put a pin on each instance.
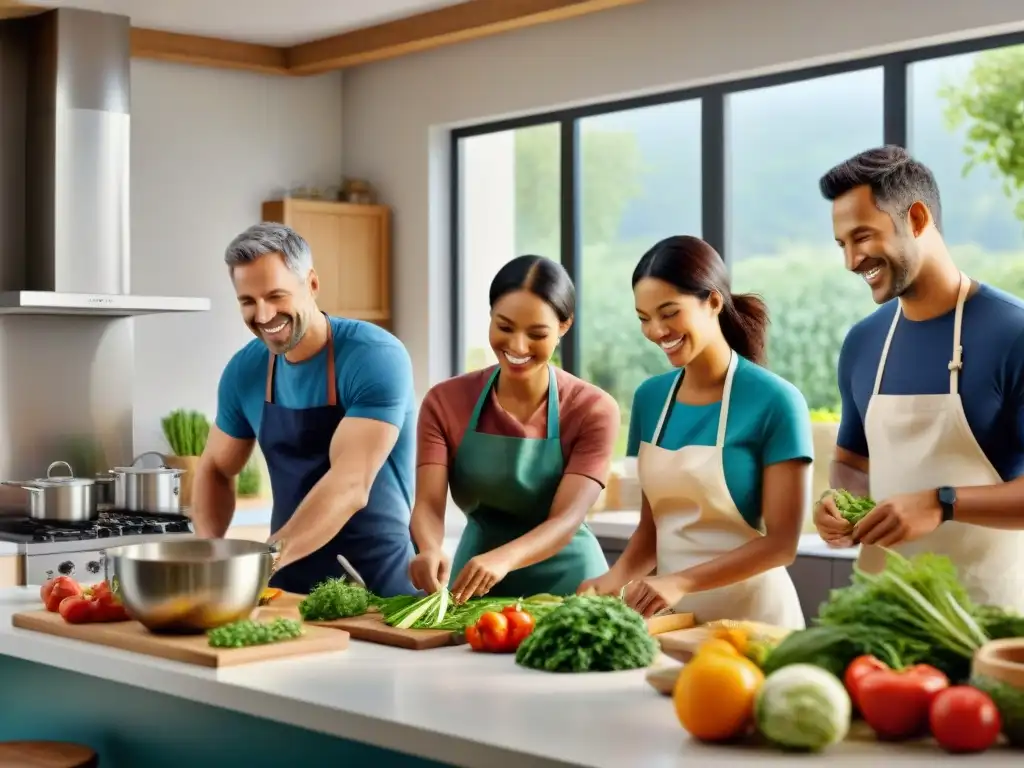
(852, 508)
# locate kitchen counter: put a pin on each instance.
(370, 703)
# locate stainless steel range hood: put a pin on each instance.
(73, 254)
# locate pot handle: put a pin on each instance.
(163, 459)
(54, 465)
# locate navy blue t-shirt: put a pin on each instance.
(374, 379)
(991, 381)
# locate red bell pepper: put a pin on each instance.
(896, 703)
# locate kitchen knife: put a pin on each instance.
(352, 572)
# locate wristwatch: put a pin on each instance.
(947, 500)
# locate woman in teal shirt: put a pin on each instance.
(723, 449)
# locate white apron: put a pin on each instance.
(697, 521)
(923, 442)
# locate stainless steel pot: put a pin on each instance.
(148, 489)
(65, 499)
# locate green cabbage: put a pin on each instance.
(802, 706)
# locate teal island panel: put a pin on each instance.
(135, 728)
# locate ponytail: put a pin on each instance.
(744, 321)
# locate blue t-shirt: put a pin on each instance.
(991, 382)
(374, 376)
(769, 422)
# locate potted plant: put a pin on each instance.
(249, 483)
(186, 433)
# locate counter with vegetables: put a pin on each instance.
(548, 680)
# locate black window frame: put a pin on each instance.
(895, 109)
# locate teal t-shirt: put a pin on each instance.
(768, 423)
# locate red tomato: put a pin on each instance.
(895, 703)
(859, 667)
(106, 607)
(62, 587)
(77, 609)
(473, 638)
(46, 588)
(964, 719)
(493, 629)
(520, 624)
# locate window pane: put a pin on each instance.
(510, 204)
(958, 107)
(779, 142)
(640, 181)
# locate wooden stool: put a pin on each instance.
(46, 754)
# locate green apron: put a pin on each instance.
(506, 485)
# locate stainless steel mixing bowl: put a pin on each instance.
(188, 586)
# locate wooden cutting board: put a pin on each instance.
(372, 629)
(190, 649)
(369, 628)
(681, 644)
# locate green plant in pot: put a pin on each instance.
(186, 433)
(250, 479)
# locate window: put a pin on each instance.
(509, 205)
(958, 106)
(639, 181)
(779, 141)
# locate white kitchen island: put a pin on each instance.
(369, 705)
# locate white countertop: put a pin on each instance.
(449, 704)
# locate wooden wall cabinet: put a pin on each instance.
(351, 253)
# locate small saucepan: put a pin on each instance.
(148, 489)
(61, 498)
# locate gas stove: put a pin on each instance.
(78, 549)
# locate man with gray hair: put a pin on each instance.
(330, 402)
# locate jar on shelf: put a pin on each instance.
(358, 192)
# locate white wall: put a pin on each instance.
(396, 112)
(208, 147)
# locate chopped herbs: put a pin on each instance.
(246, 633)
(335, 599)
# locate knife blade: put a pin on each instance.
(351, 572)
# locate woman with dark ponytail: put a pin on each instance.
(723, 449)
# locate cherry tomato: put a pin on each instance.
(493, 628)
(473, 638)
(855, 672)
(62, 587)
(520, 625)
(964, 719)
(896, 703)
(77, 609)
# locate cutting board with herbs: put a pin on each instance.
(190, 649)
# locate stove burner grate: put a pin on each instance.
(110, 524)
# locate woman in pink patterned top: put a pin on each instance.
(524, 448)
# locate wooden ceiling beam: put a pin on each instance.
(470, 20)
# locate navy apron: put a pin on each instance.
(296, 444)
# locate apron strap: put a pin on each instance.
(332, 384)
(479, 407)
(723, 416)
(672, 392)
(957, 363)
(885, 350)
(553, 414)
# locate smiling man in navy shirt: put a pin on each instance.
(932, 387)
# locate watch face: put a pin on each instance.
(947, 496)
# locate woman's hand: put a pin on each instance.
(479, 576)
(607, 583)
(655, 594)
(430, 570)
(833, 529)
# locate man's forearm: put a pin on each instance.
(213, 502)
(992, 506)
(322, 514)
(849, 478)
